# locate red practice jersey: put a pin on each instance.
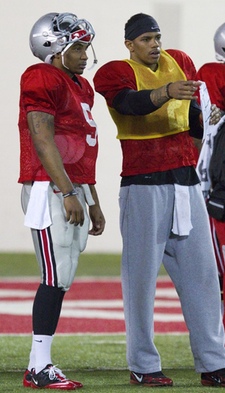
(148, 155)
(45, 88)
(213, 74)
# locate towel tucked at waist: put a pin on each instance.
(182, 211)
(38, 213)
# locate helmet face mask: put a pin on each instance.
(219, 43)
(53, 32)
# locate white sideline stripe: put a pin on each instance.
(168, 303)
(25, 308)
(166, 292)
(115, 303)
(161, 292)
(94, 303)
(16, 293)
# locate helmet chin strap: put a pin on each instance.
(63, 61)
(95, 61)
(220, 58)
(62, 55)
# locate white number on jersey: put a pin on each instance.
(91, 141)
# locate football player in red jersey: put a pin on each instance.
(58, 152)
(163, 216)
(214, 75)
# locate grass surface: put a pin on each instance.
(98, 361)
(12, 265)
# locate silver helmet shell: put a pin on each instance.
(219, 43)
(53, 32)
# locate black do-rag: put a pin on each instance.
(140, 24)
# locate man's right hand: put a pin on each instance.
(184, 90)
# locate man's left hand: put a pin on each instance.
(215, 115)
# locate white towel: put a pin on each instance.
(38, 214)
(202, 167)
(182, 211)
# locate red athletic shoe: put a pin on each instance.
(27, 380)
(61, 376)
(216, 378)
(27, 376)
(151, 380)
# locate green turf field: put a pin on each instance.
(13, 265)
(98, 361)
(89, 265)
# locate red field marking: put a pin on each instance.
(92, 305)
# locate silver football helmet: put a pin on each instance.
(54, 33)
(219, 43)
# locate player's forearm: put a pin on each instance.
(52, 162)
(94, 194)
(160, 96)
(41, 127)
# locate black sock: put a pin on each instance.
(46, 309)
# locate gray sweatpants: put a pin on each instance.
(146, 214)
